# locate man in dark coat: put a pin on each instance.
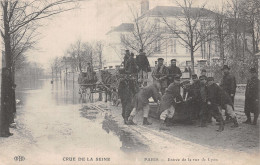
(160, 73)
(168, 102)
(193, 96)
(141, 102)
(228, 84)
(203, 101)
(126, 91)
(214, 102)
(252, 97)
(126, 57)
(218, 97)
(143, 68)
(173, 71)
(131, 67)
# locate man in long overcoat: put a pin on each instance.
(160, 73)
(126, 91)
(252, 97)
(228, 84)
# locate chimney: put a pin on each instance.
(144, 6)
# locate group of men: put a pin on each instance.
(202, 97)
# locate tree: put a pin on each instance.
(17, 18)
(221, 31)
(145, 34)
(195, 27)
(81, 53)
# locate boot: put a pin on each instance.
(163, 126)
(235, 122)
(221, 127)
(168, 122)
(130, 121)
(248, 121)
(145, 121)
(255, 119)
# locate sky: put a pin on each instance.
(90, 22)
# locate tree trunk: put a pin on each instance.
(6, 87)
(192, 59)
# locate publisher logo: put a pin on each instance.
(19, 158)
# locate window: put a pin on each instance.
(174, 46)
(157, 46)
(171, 46)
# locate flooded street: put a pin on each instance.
(60, 127)
(55, 126)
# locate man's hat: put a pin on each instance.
(225, 67)
(127, 51)
(203, 70)
(173, 60)
(160, 59)
(252, 70)
(194, 76)
(210, 79)
(203, 77)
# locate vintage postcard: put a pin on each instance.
(127, 82)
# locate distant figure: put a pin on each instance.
(173, 71)
(160, 73)
(252, 97)
(126, 57)
(203, 72)
(130, 66)
(51, 81)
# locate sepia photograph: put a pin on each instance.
(129, 82)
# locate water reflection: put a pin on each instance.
(129, 142)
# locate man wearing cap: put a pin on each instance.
(160, 73)
(252, 97)
(228, 84)
(168, 102)
(173, 71)
(218, 97)
(143, 67)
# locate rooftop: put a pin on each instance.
(171, 11)
(124, 27)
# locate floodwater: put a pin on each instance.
(60, 124)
